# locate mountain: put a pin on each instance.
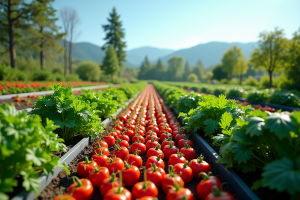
(210, 53)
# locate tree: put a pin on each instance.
(175, 68)
(160, 70)
(14, 16)
(110, 64)
(192, 78)
(71, 21)
(219, 73)
(198, 71)
(145, 67)
(187, 70)
(241, 67)
(89, 71)
(230, 60)
(271, 52)
(114, 35)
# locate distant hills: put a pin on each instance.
(210, 53)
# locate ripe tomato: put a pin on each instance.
(199, 165)
(122, 143)
(155, 152)
(129, 133)
(100, 158)
(98, 175)
(130, 126)
(179, 137)
(101, 143)
(120, 152)
(138, 146)
(154, 128)
(165, 135)
(155, 174)
(107, 184)
(119, 123)
(185, 172)
(123, 118)
(104, 150)
(169, 180)
(155, 159)
(64, 197)
(114, 134)
(124, 137)
(188, 152)
(146, 188)
(204, 187)
(139, 131)
(167, 142)
(110, 140)
(85, 167)
(81, 188)
(138, 137)
(217, 194)
(148, 198)
(151, 133)
(179, 193)
(131, 174)
(181, 142)
(134, 159)
(150, 137)
(163, 125)
(120, 194)
(176, 158)
(114, 164)
(152, 144)
(169, 150)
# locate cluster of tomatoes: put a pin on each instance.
(153, 131)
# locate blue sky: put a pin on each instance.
(180, 24)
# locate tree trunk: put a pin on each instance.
(70, 57)
(11, 27)
(42, 53)
(271, 82)
(65, 58)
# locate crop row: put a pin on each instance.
(27, 142)
(248, 140)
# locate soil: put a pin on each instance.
(61, 183)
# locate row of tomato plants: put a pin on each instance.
(27, 142)
(250, 140)
(23, 87)
(145, 123)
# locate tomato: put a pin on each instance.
(161, 120)
(164, 129)
(129, 133)
(163, 125)
(114, 134)
(85, 167)
(124, 137)
(138, 146)
(199, 165)
(188, 152)
(178, 137)
(100, 158)
(155, 174)
(110, 140)
(130, 126)
(119, 123)
(100, 143)
(120, 152)
(104, 151)
(130, 174)
(118, 194)
(138, 137)
(181, 142)
(98, 175)
(123, 118)
(167, 142)
(169, 150)
(155, 152)
(114, 164)
(134, 159)
(122, 143)
(146, 188)
(152, 144)
(81, 188)
(165, 135)
(155, 159)
(217, 194)
(64, 197)
(139, 131)
(178, 192)
(154, 128)
(151, 133)
(204, 187)
(148, 198)
(169, 180)
(107, 184)
(184, 171)
(176, 158)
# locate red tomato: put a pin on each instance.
(130, 174)
(138, 146)
(123, 118)
(64, 197)
(149, 137)
(151, 133)
(146, 188)
(204, 187)
(100, 158)
(165, 135)
(114, 134)
(184, 171)
(217, 194)
(155, 159)
(134, 159)
(188, 152)
(154, 128)
(152, 144)
(176, 158)
(104, 151)
(155, 152)
(139, 131)
(119, 123)
(98, 175)
(129, 133)
(100, 143)
(167, 142)
(180, 193)
(130, 126)
(124, 137)
(81, 188)
(122, 143)
(120, 152)
(119, 194)
(181, 142)
(169, 180)
(179, 137)
(169, 150)
(199, 165)
(138, 137)
(85, 167)
(163, 125)
(107, 184)
(148, 198)
(114, 164)
(155, 174)
(110, 140)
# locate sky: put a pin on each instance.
(177, 24)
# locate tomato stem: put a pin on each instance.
(204, 176)
(157, 147)
(200, 158)
(186, 164)
(112, 177)
(158, 157)
(145, 186)
(216, 191)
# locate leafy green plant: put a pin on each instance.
(187, 102)
(285, 98)
(237, 92)
(220, 90)
(26, 147)
(116, 95)
(260, 95)
(73, 116)
(129, 91)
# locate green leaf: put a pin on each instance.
(10, 130)
(64, 166)
(70, 123)
(211, 126)
(35, 155)
(242, 152)
(31, 181)
(257, 184)
(282, 175)
(4, 196)
(256, 125)
(226, 120)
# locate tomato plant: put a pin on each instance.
(85, 167)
